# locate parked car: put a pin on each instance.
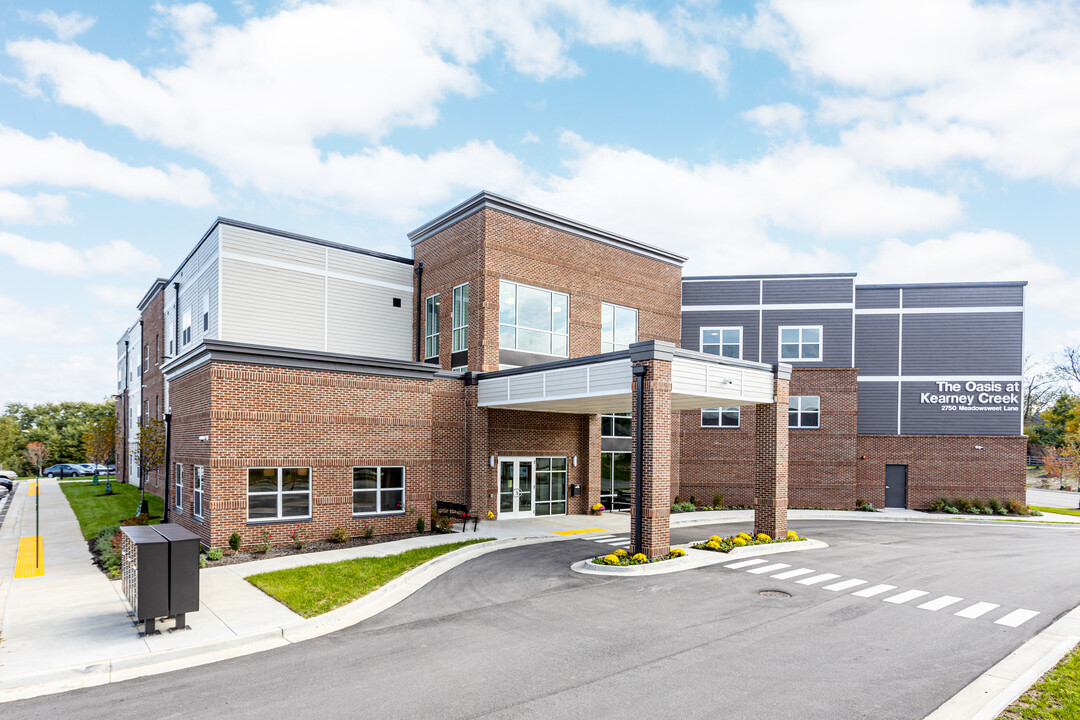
(99, 469)
(8, 475)
(111, 469)
(7, 483)
(69, 470)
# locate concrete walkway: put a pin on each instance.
(70, 627)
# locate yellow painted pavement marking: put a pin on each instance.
(578, 532)
(24, 564)
(33, 488)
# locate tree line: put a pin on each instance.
(1052, 412)
(65, 432)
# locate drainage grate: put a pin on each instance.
(774, 594)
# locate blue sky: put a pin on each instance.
(924, 140)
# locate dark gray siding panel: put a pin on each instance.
(721, 292)
(836, 334)
(963, 343)
(692, 322)
(919, 418)
(877, 297)
(993, 296)
(877, 344)
(877, 408)
(808, 291)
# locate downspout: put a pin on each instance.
(639, 372)
(176, 318)
(168, 453)
(127, 413)
(419, 272)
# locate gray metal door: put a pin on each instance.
(896, 486)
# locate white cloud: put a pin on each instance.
(34, 377)
(65, 26)
(127, 297)
(117, 256)
(40, 324)
(781, 118)
(32, 209)
(530, 137)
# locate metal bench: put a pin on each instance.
(457, 511)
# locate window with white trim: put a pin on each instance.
(206, 311)
(459, 319)
(618, 327)
(804, 411)
(460, 368)
(146, 358)
(179, 486)
(378, 490)
(279, 493)
(197, 492)
(431, 326)
(800, 343)
(726, 417)
(722, 341)
(186, 328)
(533, 319)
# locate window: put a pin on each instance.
(146, 358)
(550, 496)
(205, 311)
(615, 480)
(804, 411)
(460, 318)
(279, 493)
(431, 327)
(727, 417)
(187, 327)
(179, 486)
(618, 327)
(533, 319)
(800, 343)
(147, 415)
(197, 492)
(724, 341)
(378, 490)
(461, 368)
(616, 425)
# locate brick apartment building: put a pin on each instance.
(315, 385)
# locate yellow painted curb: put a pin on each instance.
(24, 565)
(578, 532)
(33, 488)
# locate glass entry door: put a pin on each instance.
(615, 480)
(516, 478)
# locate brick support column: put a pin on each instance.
(590, 458)
(771, 461)
(655, 448)
(480, 475)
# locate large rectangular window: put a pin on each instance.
(279, 493)
(618, 327)
(533, 319)
(460, 318)
(179, 486)
(615, 480)
(197, 492)
(431, 327)
(804, 411)
(800, 343)
(378, 490)
(722, 341)
(727, 417)
(550, 497)
(616, 425)
(186, 328)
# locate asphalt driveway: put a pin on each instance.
(517, 634)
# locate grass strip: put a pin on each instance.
(1055, 697)
(314, 589)
(1057, 511)
(96, 510)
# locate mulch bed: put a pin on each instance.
(243, 556)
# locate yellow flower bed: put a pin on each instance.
(623, 558)
(727, 544)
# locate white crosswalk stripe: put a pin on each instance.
(620, 541)
(817, 579)
(875, 590)
(1016, 618)
(793, 573)
(598, 538)
(845, 584)
(942, 602)
(977, 610)
(906, 596)
(744, 563)
(767, 568)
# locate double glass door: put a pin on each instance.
(516, 479)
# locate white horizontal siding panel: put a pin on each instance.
(610, 377)
(759, 384)
(362, 320)
(369, 267)
(271, 247)
(526, 387)
(495, 390)
(270, 306)
(689, 376)
(567, 383)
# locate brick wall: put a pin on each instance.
(153, 331)
(190, 396)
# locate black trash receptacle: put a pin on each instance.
(183, 570)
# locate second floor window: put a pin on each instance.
(533, 319)
(431, 327)
(460, 317)
(800, 343)
(205, 312)
(616, 425)
(804, 411)
(187, 328)
(725, 342)
(618, 327)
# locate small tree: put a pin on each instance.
(36, 454)
(98, 442)
(149, 455)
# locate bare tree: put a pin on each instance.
(149, 454)
(99, 441)
(1067, 366)
(1040, 388)
(36, 454)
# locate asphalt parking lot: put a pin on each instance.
(516, 634)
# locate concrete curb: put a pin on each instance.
(34, 684)
(875, 517)
(999, 687)
(694, 559)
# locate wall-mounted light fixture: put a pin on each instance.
(979, 447)
(491, 459)
(204, 438)
(575, 461)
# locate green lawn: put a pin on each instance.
(314, 589)
(96, 510)
(1058, 511)
(1055, 697)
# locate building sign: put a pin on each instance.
(974, 396)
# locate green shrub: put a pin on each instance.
(718, 501)
(202, 560)
(950, 509)
(1014, 508)
(938, 505)
(976, 506)
(961, 505)
(684, 507)
(339, 534)
(995, 506)
(214, 554)
(420, 525)
(234, 541)
(693, 500)
(369, 531)
(108, 531)
(974, 510)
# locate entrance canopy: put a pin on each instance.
(602, 383)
